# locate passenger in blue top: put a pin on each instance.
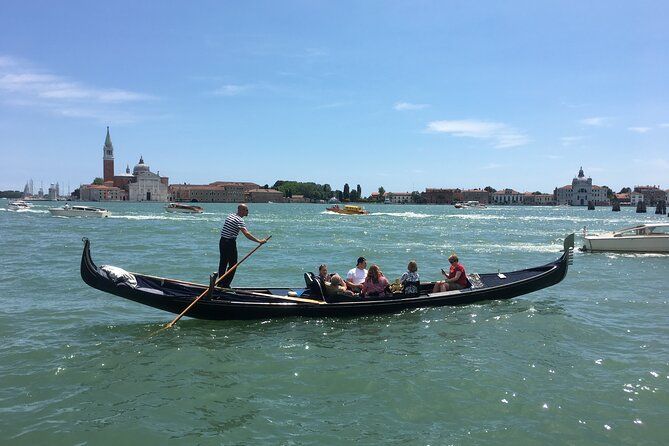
(228, 243)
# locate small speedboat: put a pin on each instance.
(79, 211)
(470, 204)
(650, 237)
(184, 208)
(348, 209)
(18, 206)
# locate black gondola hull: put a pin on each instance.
(267, 303)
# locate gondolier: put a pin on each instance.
(228, 243)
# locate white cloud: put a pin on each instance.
(333, 105)
(404, 106)
(501, 135)
(639, 129)
(598, 121)
(232, 90)
(568, 141)
(493, 166)
(22, 85)
(664, 125)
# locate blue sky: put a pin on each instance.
(400, 94)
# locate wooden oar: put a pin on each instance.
(204, 293)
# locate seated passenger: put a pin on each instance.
(456, 279)
(356, 276)
(410, 279)
(337, 286)
(323, 273)
(376, 283)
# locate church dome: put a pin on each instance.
(140, 167)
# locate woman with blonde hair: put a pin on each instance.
(376, 283)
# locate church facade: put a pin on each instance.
(140, 185)
(581, 192)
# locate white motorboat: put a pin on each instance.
(649, 237)
(470, 204)
(18, 205)
(184, 208)
(79, 211)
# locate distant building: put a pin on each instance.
(507, 196)
(581, 192)
(442, 196)
(294, 198)
(398, 197)
(93, 192)
(267, 195)
(636, 198)
(54, 192)
(651, 194)
(140, 185)
(623, 199)
(531, 199)
(147, 186)
(480, 195)
(218, 192)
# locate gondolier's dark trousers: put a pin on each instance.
(228, 250)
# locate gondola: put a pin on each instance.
(310, 301)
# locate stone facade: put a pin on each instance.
(581, 192)
(442, 196)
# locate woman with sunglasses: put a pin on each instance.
(456, 279)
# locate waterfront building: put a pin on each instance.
(147, 186)
(636, 198)
(651, 194)
(217, 192)
(53, 192)
(480, 195)
(581, 192)
(259, 195)
(507, 196)
(295, 198)
(442, 196)
(532, 199)
(94, 192)
(623, 199)
(398, 197)
(140, 185)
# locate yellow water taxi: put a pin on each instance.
(348, 209)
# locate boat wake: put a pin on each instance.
(403, 214)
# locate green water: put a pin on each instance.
(583, 362)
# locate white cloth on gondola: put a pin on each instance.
(119, 275)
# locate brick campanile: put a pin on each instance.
(108, 159)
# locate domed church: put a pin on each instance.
(140, 185)
(147, 186)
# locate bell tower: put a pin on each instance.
(108, 159)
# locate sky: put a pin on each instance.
(404, 95)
